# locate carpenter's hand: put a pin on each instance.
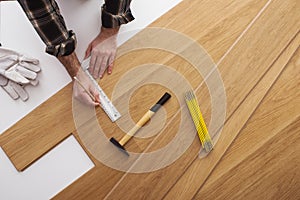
(84, 90)
(102, 51)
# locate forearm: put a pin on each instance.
(109, 32)
(71, 63)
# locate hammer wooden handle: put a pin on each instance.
(147, 116)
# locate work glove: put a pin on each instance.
(17, 67)
(17, 71)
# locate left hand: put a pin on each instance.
(102, 51)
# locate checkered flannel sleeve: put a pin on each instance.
(47, 20)
(116, 13)
(45, 16)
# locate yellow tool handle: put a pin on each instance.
(147, 116)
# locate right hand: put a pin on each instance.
(81, 94)
(102, 51)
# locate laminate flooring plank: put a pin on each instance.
(70, 192)
(32, 137)
(263, 162)
(155, 185)
(192, 179)
(41, 130)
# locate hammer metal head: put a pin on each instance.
(117, 144)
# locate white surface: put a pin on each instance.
(18, 34)
(47, 176)
(65, 163)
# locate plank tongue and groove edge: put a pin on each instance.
(269, 165)
(244, 99)
(25, 142)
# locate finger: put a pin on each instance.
(29, 60)
(86, 99)
(88, 51)
(83, 97)
(3, 81)
(97, 69)
(16, 77)
(19, 90)
(30, 66)
(96, 95)
(110, 68)
(92, 63)
(110, 64)
(26, 73)
(103, 66)
(10, 91)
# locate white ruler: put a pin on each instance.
(106, 104)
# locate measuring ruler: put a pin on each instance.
(198, 120)
(106, 104)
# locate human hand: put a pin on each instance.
(102, 51)
(84, 90)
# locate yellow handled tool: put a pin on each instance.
(147, 116)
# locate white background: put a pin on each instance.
(65, 163)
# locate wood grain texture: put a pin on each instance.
(41, 130)
(182, 189)
(156, 184)
(22, 154)
(264, 160)
(249, 69)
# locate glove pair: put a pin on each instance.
(17, 71)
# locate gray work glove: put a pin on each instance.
(17, 71)
(17, 67)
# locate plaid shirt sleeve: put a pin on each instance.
(116, 13)
(47, 20)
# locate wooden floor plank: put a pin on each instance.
(41, 130)
(156, 184)
(188, 185)
(216, 25)
(263, 162)
(18, 141)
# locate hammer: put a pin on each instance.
(147, 116)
